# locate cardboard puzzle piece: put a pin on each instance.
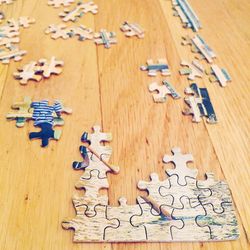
(152, 68)
(78, 11)
(163, 91)
(199, 104)
(58, 31)
(6, 1)
(194, 69)
(199, 46)
(23, 112)
(25, 21)
(106, 38)
(174, 210)
(82, 32)
(37, 70)
(15, 54)
(9, 41)
(216, 74)
(222, 226)
(132, 29)
(58, 3)
(7, 31)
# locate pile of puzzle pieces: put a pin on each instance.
(45, 117)
(179, 208)
(9, 38)
(37, 70)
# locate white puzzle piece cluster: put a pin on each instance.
(132, 29)
(37, 70)
(163, 91)
(178, 208)
(9, 38)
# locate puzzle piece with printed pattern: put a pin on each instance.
(163, 91)
(106, 38)
(132, 29)
(59, 31)
(13, 53)
(58, 3)
(82, 32)
(194, 69)
(216, 74)
(152, 68)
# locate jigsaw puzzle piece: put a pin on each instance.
(132, 29)
(180, 161)
(194, 69)
(216, 74)
(125, 231)
(58, 3)
(82, 32)
(106, 38)
(25, 21)
(223, 226)
(88, 229)
(190, 231)
(157, 228)
(163, 91)
(59, 31)
(23, 112)
(14, 53)
(152, 68)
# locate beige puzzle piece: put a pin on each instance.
(132, 29)
(58, 3)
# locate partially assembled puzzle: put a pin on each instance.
(44, 115)
(178, 208)
(35, 71)
(9, 38)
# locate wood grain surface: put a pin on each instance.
(106, 87)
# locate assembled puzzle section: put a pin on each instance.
(199, 104)
(9, 38)
(45, 117)
(178, 208)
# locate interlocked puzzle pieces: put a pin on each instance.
(106, 38)
(78, 11)
(194, 69)
(44, 116)
(179, 208)
(132, 29)
(218, 75)
(163, 91)
(58, 3)
(198, 45)
(152, 68)
(36, 70)
(199, 104)
(9, 35)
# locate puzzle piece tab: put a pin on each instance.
(163, 91)
(132, 29)
(106, 38)
(153, 68)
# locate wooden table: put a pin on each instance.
(106, 87)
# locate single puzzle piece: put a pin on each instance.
(199, 104)
(106, 38)
(23, 113)
(89, 229)
(25, 21)
(180, 161)
(223, 226)
(78, 11)
(220, 193)
(49, 67)
(194, 69)
(6, 1)
(58, 3)
(163, 91)
(45, 134)
(59, 31)
(9, 31)
(82, 32)
(191, 231)
(15, 54)
(216, 74)
(132, 29)
(125, 231)
(152, 68)
(157, 228)
(28, 72)
(8, 41)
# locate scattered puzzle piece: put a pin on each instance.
(82, 32)
(217, 74)
(132, 29)
(58, 31)
(25, 21)
(163, 91)
(49, 67)
(15, 54)
(152, 67)
(58, 3)
(105, 38)
(194, 69)
(199, 104)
